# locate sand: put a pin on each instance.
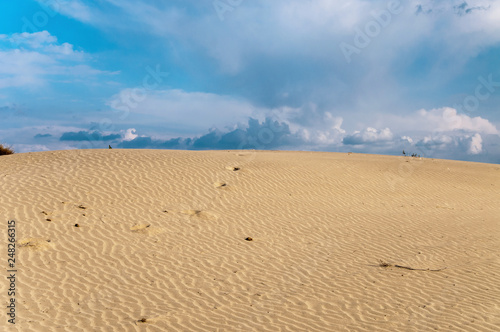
(163, 241)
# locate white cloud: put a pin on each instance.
(312, 128)
(32, 40)
(476, 144)
(438, 120)
(21, 148)
(42, 42)
(289, 33)
(407, 139)
(23, 139)
(452, 145)
(433, 142)
(446, 119)
(72, 8)
(129, 134)
(30, 59)
(285, 26)
(369, 136)
(192, 111)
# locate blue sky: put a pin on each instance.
(361, 76)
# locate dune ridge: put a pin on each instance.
(155, 240)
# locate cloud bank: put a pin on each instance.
(451, 135)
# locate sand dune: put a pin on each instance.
(142, 240)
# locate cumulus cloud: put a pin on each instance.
(32, 40)
(369, 136)
(476, 144)
(450, 146)
(129, 134)
(42, 41)
(440, 133)
(268, 134)
(407, 139)
(447, 119)
(439, 141)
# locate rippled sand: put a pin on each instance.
(163, 241)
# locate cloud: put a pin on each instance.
(44, 42)
(274, 62)
(407, 139)
(34, 59)
(273, 134)
(33, 40)
(268, 134)
(447, 119)
(72, 8)
(22, 148)
(436, 142)
(277, 133)
(130, 134)
(184, 112)
(11, 110)
(42, 135)
(88, 136)
(476, 144)
(450, 146)
(444, 120)
(465, 9)
(369, 136)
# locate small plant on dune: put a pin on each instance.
(5, 150)
(414, 155)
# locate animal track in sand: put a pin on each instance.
(145, 229)
(219, 184)
(140, 227)
(47, 215)
(200, 214)
(35, 244)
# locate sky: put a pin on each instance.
(373, 77)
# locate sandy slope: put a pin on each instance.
(162, 238)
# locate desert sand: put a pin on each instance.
(159, 240)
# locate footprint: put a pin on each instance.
(35, 244)
(47, 215)
(199, 214)
(219, 184)
(140, 228)
(145, 229)
(191, 212)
